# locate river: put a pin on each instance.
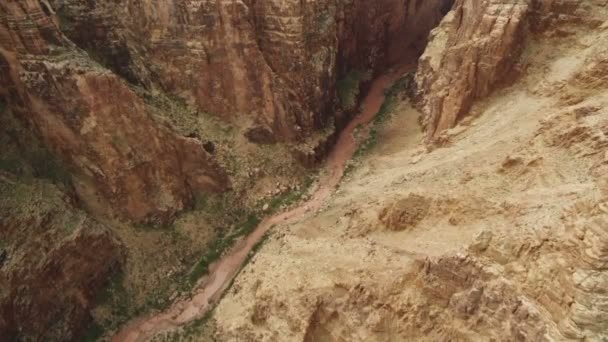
(227, 267)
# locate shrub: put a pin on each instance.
(219, 246)
(47, 166)
(348, 88)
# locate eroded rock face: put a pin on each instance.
(271, 63)
(475, 47)
(55, 260)
(87, 115)
(271, 66)
(572, 296)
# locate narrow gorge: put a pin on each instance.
(323, 170)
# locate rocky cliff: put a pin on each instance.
(54, 261)
(477, 48)
(500, 234)
(272, 65)
(88, 116)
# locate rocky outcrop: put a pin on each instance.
(475, 48)
(565, 273)
(405, 213)
(54, 260)
(272, 65)
(557, 17)
(120, 157)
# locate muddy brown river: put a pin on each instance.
(224, 270)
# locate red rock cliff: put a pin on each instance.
(96, 123)
(271, 65)
(475, 47)
(54, 260)
(275, 62)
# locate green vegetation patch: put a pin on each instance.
(219, 246)
(47, 166)
(64, 15)
(244, 227)
(94, 332)
(199, 328)
(384, 114)
(349, 87)
(12, 164)
(116, 297)
(255, 249)
(290, 197)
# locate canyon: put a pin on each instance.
(281, 170)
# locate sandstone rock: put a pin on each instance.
(277, 61)
(557, 17)
(59, 259)
(475, 48)
(405, 213)
(97, 124)
(511, 162)
(260, 135)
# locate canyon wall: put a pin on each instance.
(477, 48)
(91, 118)
(69, 69)
(271, 64)
(79, 75)
(54, 261)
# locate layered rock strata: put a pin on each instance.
(275, 62)
(91, 118)
(477, 48)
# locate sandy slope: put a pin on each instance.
(506, 235)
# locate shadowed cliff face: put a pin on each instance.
(275, 62)
(54, 260)
(385, 33)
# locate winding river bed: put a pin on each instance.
(227, 267)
